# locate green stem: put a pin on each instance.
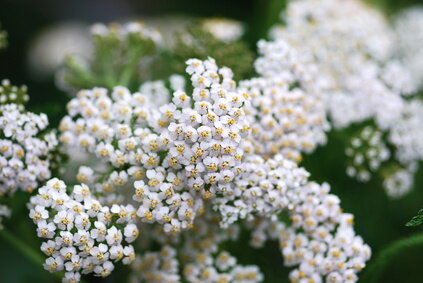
(130, 66)
(83, 75)
(22, 247)
(26, 250)
(382, 261)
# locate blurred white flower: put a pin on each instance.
(50, 47)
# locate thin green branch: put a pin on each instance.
(130, 67)
(26, 250)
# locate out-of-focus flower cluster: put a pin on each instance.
(10, 94)
(118, 53)
(409, 31)
(224, 29)
(81, 235)
(366, 152)
(354, 48)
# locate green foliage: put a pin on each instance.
(119, 54)
(388, 254)
(416, 220)
(195, 42)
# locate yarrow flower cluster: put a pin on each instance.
(207, 264)
(262, 190)
(287, 114)
(321, 242)
(196, 161)
(81, 235)
(24, 144)
(197, 254)
(203, 161)
(180, 153)
(366, 152)
(336, 253)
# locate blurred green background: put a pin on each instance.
(379, 220)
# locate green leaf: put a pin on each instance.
(416, 220)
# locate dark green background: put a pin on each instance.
(379, 220)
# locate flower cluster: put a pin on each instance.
(324, 242)
(156, 267)
(287, 114)
(365, 81)
(81, 235)
(193, 161)
(179, 153)
(406, 134)
(102, 125)
(262, 190)
(24, 145)
(194, 256)
(360, 71)
(409, 31)
(367, 96)
(399, 182)
(333, 41)
(366, 152)
(321, 242)
(13, 94)
(158, 92)
(207, 263)
(224, 29)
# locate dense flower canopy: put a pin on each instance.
(163, 173)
